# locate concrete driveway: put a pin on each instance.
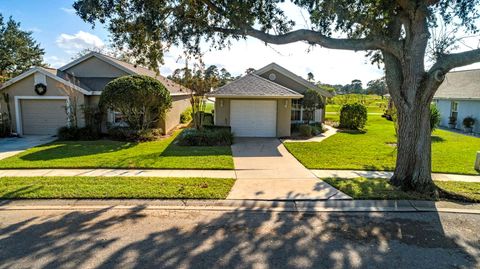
(13, 145)
(266, 170)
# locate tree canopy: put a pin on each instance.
(18, 50)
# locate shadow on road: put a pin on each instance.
(142, 238)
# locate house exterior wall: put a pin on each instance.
(465, 108)
(284, 107)
(172, 119)
(95, 68)
(25, 87)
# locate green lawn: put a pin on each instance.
(162, 154)
(380, 189)
(114, 187)
(374, 150)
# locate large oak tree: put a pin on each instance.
(395, 32)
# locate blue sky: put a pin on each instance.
(62, 34)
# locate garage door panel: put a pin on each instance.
(254, 118)
(42, 117)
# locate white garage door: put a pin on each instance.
(43, 117)
(253, 118)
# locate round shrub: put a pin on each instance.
(305, 130)
(142, 100)
(353, 116)
(186, 116)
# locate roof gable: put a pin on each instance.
(47, 73)
(460, 85)
(288, 75)
(130, 69)
(251, 86)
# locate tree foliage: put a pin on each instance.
(18, 50)
(311, 101)
(377, 86)
(142, 100)
(395, 33)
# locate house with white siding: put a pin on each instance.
(459, 97)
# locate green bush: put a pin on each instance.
(434, 117)
(186, 116)
(75, 133)
(128, 134)
(206, 137)
(305, 130)
(353, 116)
(142, 100)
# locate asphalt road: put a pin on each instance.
(241, 239)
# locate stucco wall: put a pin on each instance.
(96, 68)
(222, 114)
(25, 87)
(179, 104)
(465, 109)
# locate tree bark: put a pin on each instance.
(413, 165)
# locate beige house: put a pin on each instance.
(40, 97)
(264, 103)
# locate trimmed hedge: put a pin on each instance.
(353, 116)
(206, 137)
(74, 134)
(128, 134)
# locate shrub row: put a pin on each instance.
(307, 130)
(128, 134)
(206, 137)
(74, 133)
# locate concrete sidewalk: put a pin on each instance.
(247, 205)
(386, 174)
(117, 173)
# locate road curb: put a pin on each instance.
(245, 205)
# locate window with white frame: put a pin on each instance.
(297, 110)
(454, 109)
(117, 118)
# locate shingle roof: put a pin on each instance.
(253, 85)
(460, 85)
(170, 85)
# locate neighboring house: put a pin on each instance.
(83, 80)
(459, 97)
(264, 103)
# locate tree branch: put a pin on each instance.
(314, 37)
(449, 61)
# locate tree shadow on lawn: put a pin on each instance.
(238, 239)
(70, 149)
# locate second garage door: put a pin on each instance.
(253, 118)
(43, 117)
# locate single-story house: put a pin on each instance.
(264, 103)
(459, 97)
(39, 96)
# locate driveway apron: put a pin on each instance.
(13, 145)
(267, 171)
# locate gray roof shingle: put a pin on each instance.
(460, 85)
(253, 85)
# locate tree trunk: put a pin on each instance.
(413, 166)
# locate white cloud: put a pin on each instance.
(68, 10)
(55, 61)
(79, 41)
